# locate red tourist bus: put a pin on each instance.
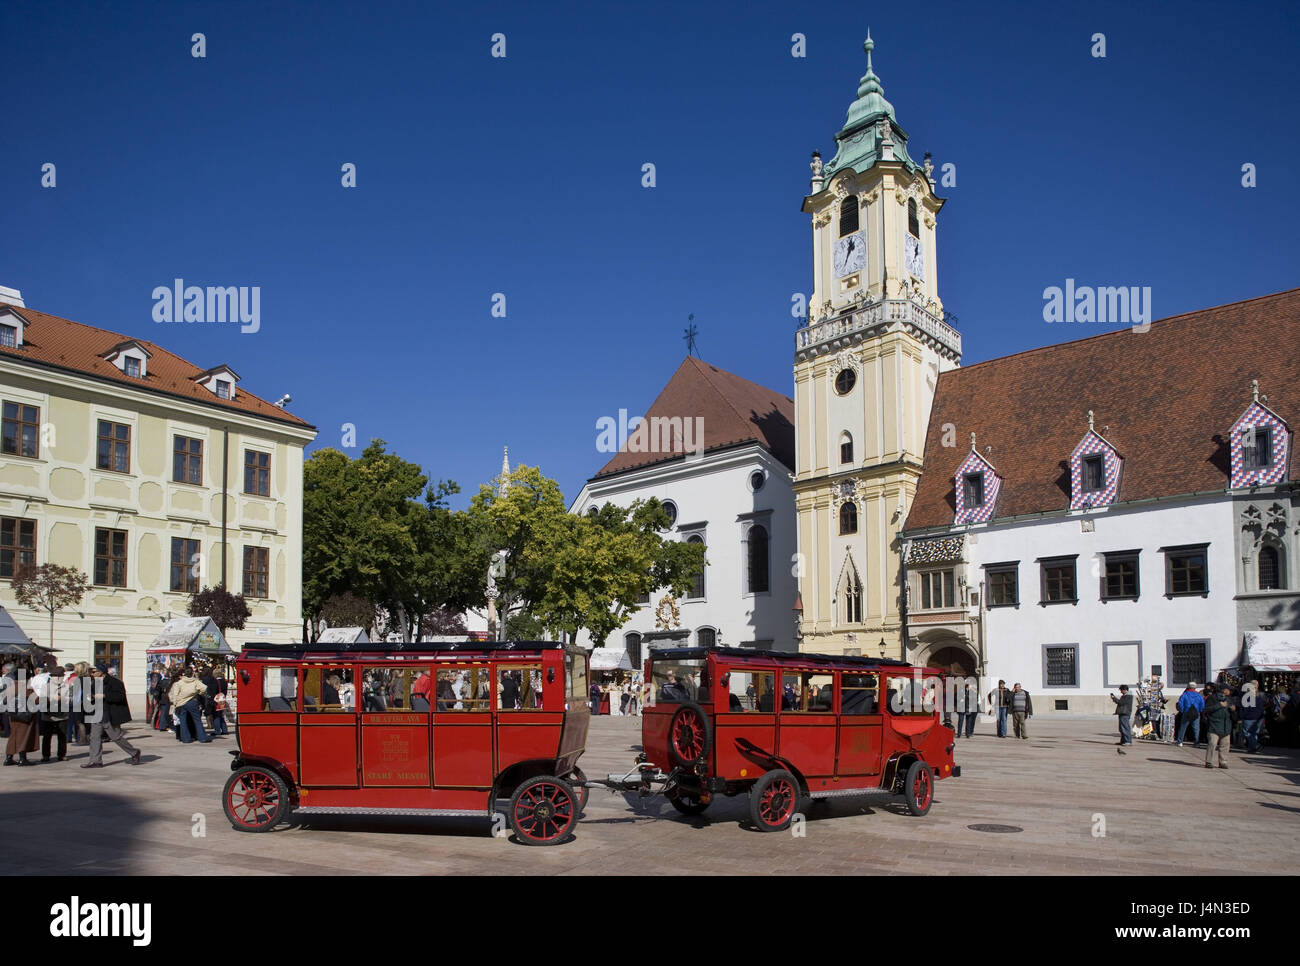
(788, 727)
(428, 729)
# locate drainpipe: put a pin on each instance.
(225, 478)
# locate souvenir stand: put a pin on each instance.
(1151, 720)
(1273, 659)
(611, 668)
(189, 642)
(16, 646)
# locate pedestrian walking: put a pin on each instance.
(1250, 713)
(56, 698)
(1124, 711)
(1000, 704)
(1022, 709)
(214, 700)
(110, 713)
(1218, 720)
(185, 697)
(971, 708)
(1190, 706)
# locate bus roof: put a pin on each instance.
(779, 657)
(378, 649)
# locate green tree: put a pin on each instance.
(348, 610)
(50, 588)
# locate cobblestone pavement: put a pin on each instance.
(1159, 805)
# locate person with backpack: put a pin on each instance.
(1219, 714)
(1190, 706)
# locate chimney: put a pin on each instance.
(11, 296)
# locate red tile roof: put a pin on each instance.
(1165, 398)
(733, 410)
(50, 341)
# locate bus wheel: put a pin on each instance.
(774, 800)
(581, 792)
(918, 788)
(255, 799)
(543, 811)
(688, 803)
(690, 736)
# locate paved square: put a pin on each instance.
(1162, 811)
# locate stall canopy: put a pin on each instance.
(13, 639)
(198, 635)
(343, 635)
(610, 659)
(1272, 650)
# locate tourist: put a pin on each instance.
(185, 697)
(1124, 711)
(111, 712)
(72, 679)
(971, 705)
(1218, 722)
(57, 697)
(16, 697)
(1000, 704)
(214, 700)
(1190, 706)
(1251, 715)
(1022, 709)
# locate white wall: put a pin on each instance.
(1015, 635)
(715, 492)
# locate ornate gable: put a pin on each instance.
(990, 483)
(1258, 429)
(1083, 494)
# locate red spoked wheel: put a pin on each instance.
(690, 735)
(774, 800)
(543, 811)
(918, 788)
(255, 799)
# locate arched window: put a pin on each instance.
(756, 556)
(697, 591)
(848, 215)
(1270, 569)
(913, 223)
(851, 594)
(632, 644)
(849, 517)
(706, 637)
(846, 447)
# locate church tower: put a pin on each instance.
(865, 369)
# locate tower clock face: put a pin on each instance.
(850, 254)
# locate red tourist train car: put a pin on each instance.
(429, 729)
(788, 727)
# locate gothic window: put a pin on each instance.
(849, 518)
(1270, 569)
(846, 448)
(756, 555)
(848, 215)
(697, 591)
(632, 644)
(845, 381)
(851, 592)
(913, 223)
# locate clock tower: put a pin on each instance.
(865, 369)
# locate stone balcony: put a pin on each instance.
(871, 318)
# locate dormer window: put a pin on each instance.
(131, 366)
(913, 222)
(1257, 447)
(1094, 474)
(973, 489)
(9, 336)
(848, 215)
(130, 357)
(220, 381)
(223, 388)
(11, 328)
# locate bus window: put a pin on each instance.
(396, 689)
(328, 688)
(575, 673)
(752, 691)
(463, 688)
(677, 681)
(858, 693)
(806, 691)
(910, 695)
(279, 689)
(515, 687)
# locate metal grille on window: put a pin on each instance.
(1060, 667)
(1269, 569)
(1187, 660)
(848, 215)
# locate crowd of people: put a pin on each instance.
(626, 695)
(184, 697)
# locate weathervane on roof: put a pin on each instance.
(972, 442)
(1254, 390)
(1090, 427)
(691, 333)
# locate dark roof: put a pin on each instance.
(1164, 398)
(734, 411)
(63, 344)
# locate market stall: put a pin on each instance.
(16, 646)
(189, 642)
(611, 671)
(1150, 720)
(1273, 659)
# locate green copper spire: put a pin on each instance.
(860, 139)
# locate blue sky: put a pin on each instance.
(479, 175)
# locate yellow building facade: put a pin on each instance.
(153, 477)
(865, 370)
